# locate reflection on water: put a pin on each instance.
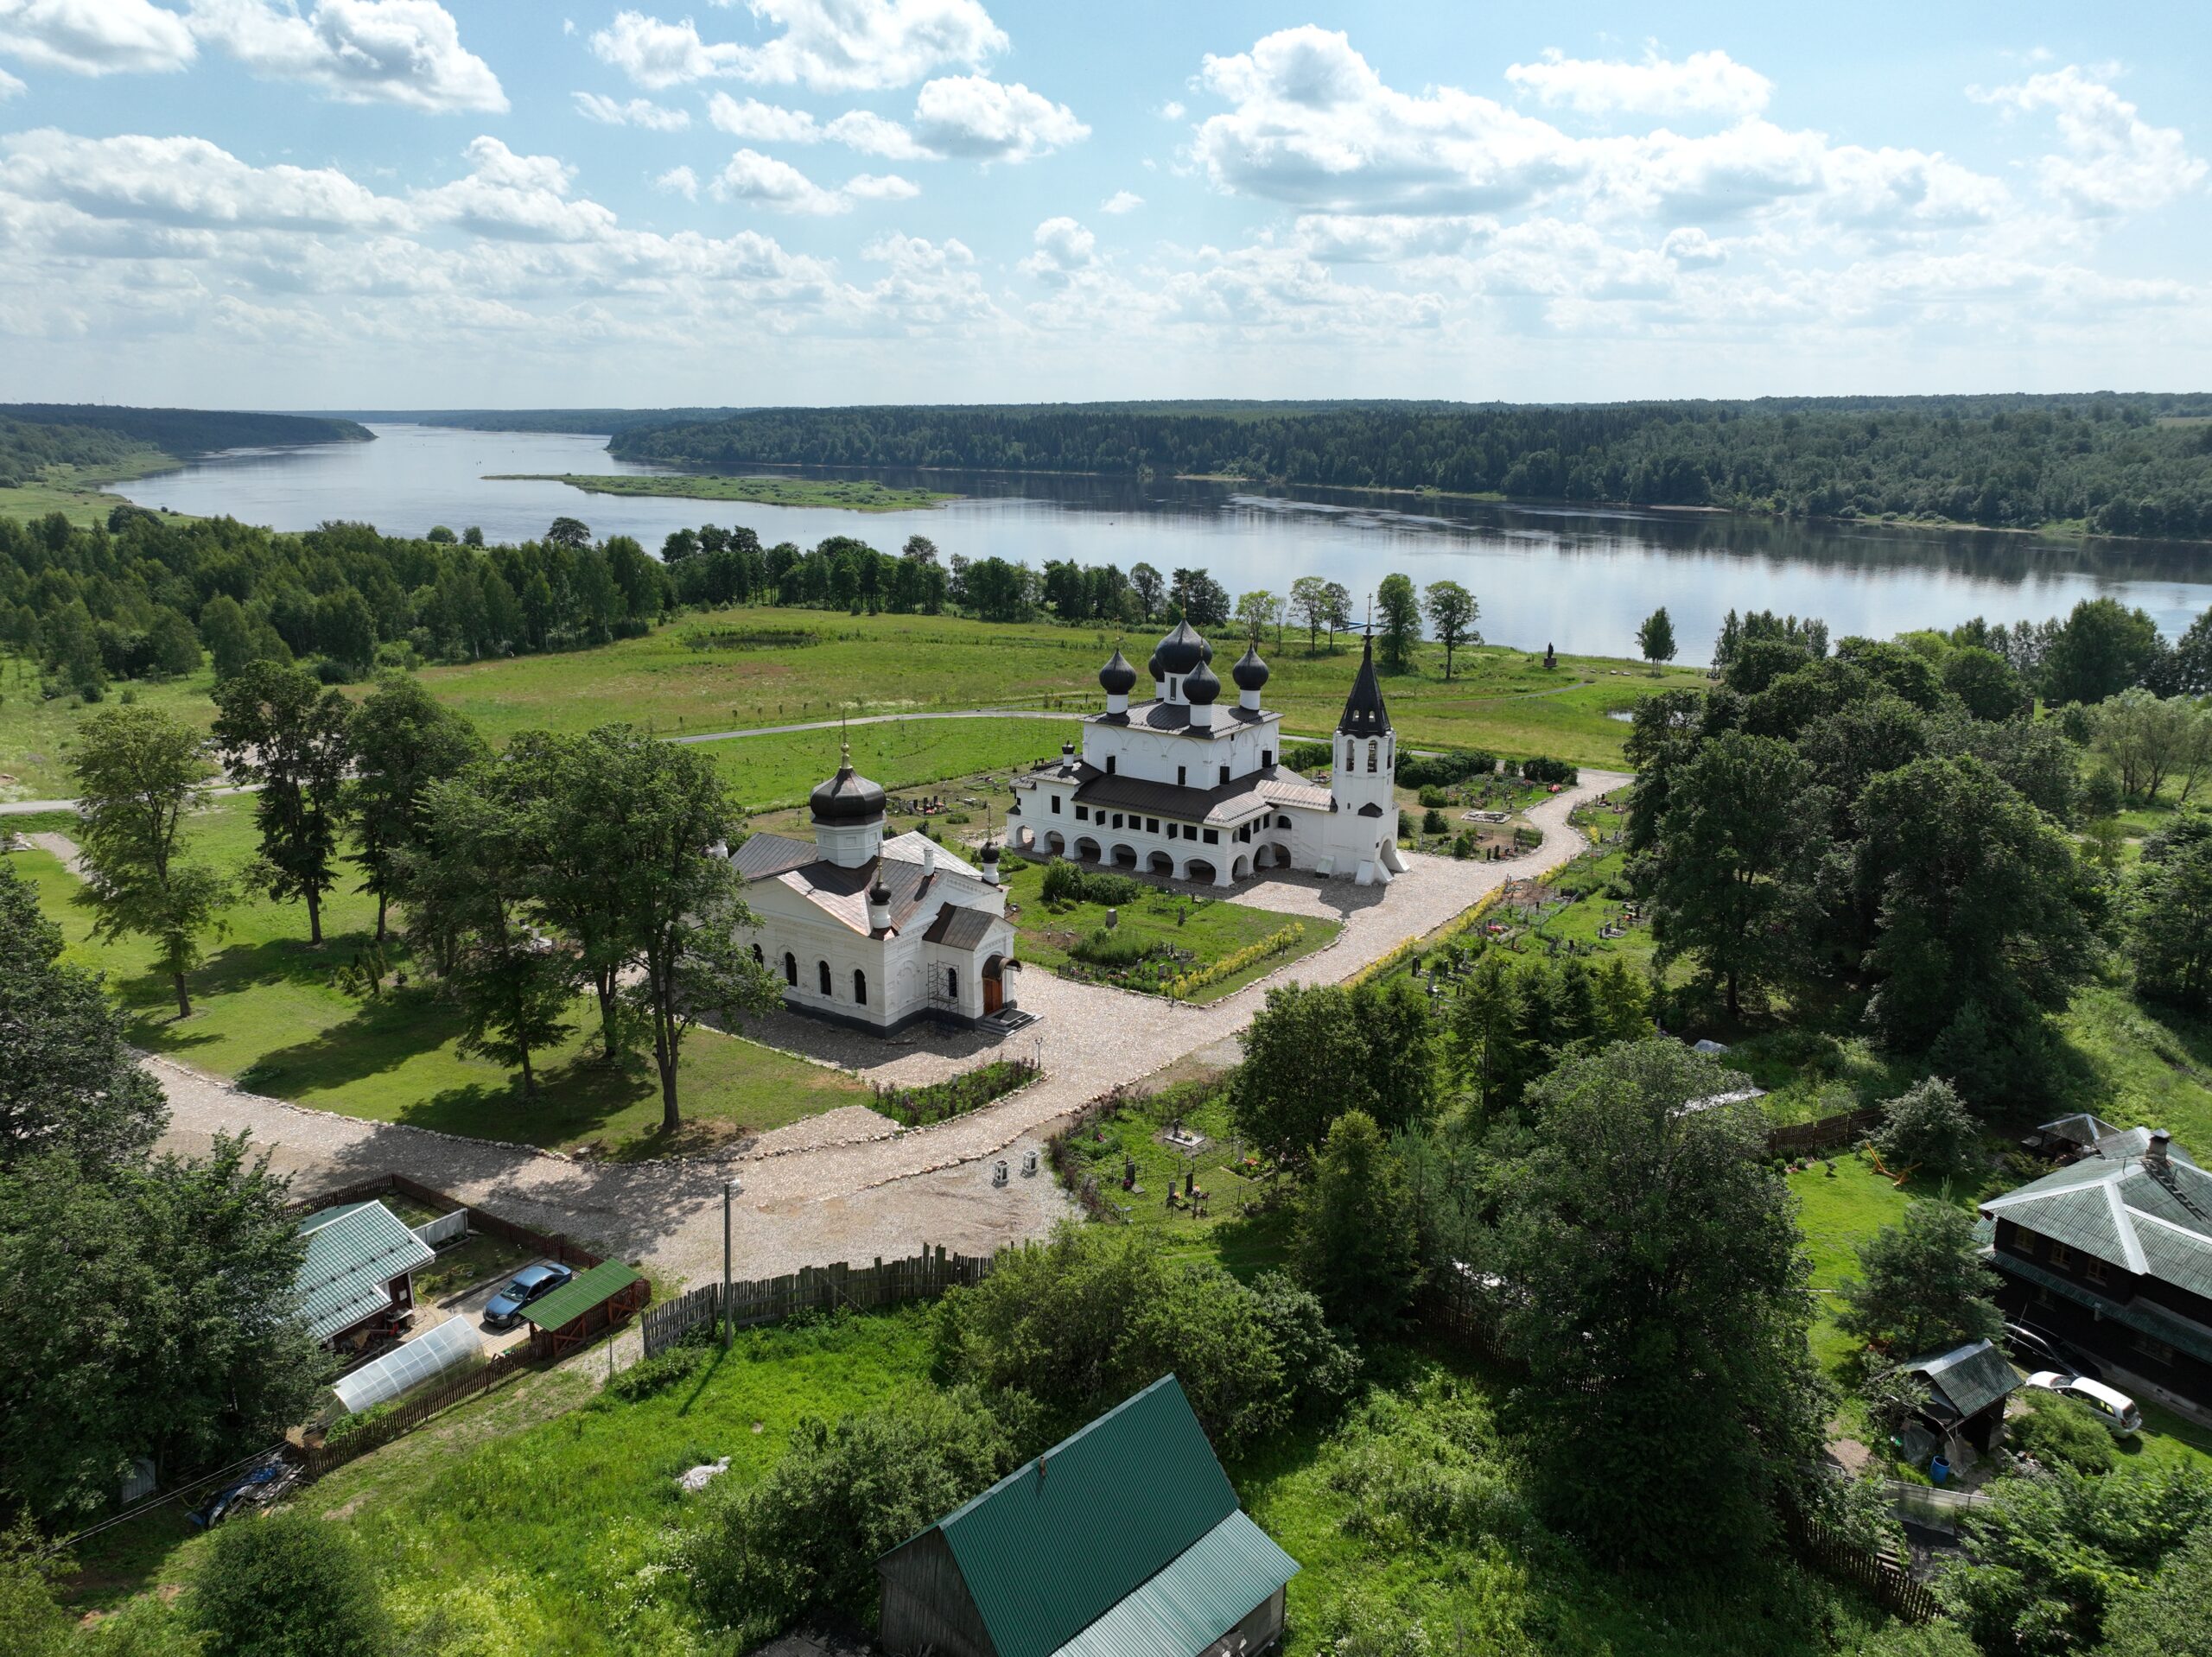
(1578, 577)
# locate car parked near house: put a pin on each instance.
(533, 1283)
(2036, 1349)
(2109, 1405)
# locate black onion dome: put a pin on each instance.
(848, 797)
(991, 852)
(1182, 650)
(1199, 686)
(1118, 677)
(1155, 669)
(879, 893)
(1251, 672)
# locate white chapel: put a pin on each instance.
(872, 932)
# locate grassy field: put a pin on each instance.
(76, 494)
(522, 1529)
(1207, 929)
(1499, 699)
(266, 1015)
(36, 734)
(769, 772)
(863, 495)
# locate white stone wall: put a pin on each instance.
(1156, 756)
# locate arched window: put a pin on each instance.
(791, 969)
(1351, 754)
(860, 987)
(759, 960)
(1372, 746)
(953, 983)
(822, 972)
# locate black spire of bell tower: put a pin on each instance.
(1365, 714)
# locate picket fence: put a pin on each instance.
(316, 1459)
(814, 1288)
(1888, 1583)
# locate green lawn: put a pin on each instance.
(1208, 929)
(861, 495)
(767, 772)
(37, 734)
(266, 1015)
(76, 493)
(2139, 1064)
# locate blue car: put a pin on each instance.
(533, 1283)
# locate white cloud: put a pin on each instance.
(637, 112)
(183, 183)
(874, 135)
(1064, 249)
(657, 54)
(1313, 125)
(867, 45)
(1121, 202)
(978, 117)
(762, 123)
(1705, 83)
(1171, 110)
(880, 187)
(9, 86)
(680, 181)
(516, 198)
(95, 37)
(2115, 162)
(1691, 248)
(767, 182)
(1387, 238)
(358, 51)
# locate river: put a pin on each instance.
(1581, 578)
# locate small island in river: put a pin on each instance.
(854, 495)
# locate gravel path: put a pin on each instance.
(832, 1189)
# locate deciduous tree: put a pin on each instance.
(1356, 1234)
(1452, 613)
(276, 727)
(2168, 912)
(1400, 620)
(1922, 1285)
(1655, 638)
(403, 740)
(139, 773)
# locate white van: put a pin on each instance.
(2114, 1408)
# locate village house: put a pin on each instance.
(356, 1282)
(1124, 1539)
(2113, 1254)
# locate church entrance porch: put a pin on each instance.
(993, 985)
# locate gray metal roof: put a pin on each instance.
(353, 1252)
(1970, 1378)
(2115, 1206)
(843, 893)
(1165, 715)
(960, 929)
(1228, 803)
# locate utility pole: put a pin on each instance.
(730, 1188)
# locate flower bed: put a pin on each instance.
(940, 1101)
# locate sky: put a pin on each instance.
(526, 203)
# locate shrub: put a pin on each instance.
(287, 1585)
(655, 1374)
(1441, 769)
(1069, 883)
(1098, 1313)
(1307, 756)
(806, 1537)
(1929, 1127)
(2058, 1432)
(1540, 770)
(1108, 949)
(1463, 846)
(1236, 961)
(1434, 798)
(1433, 823)
(1322, 1371)
(955, 1095)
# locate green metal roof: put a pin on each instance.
(1971, 1377)
(2113, 1206)
(581, 1292)
(353, 1253)
(1064, 1540)
(1193, 1602)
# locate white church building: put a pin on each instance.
(1184, 786)
(874, 932)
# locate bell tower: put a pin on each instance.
(1365, 768)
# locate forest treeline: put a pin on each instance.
(2119, 464)
(94, 436)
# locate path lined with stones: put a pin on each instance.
(812, 1196)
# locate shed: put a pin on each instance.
(1967, 1389)
(360, 1267)
(588, 1304)
(1124, 1539)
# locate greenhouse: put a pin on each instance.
(432, 1353)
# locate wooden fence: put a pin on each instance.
(318, 1459)
(1886, 1581)
(542, 1242)
(887, 1282)
(1828, 1134)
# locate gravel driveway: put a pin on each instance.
(814, 1196)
